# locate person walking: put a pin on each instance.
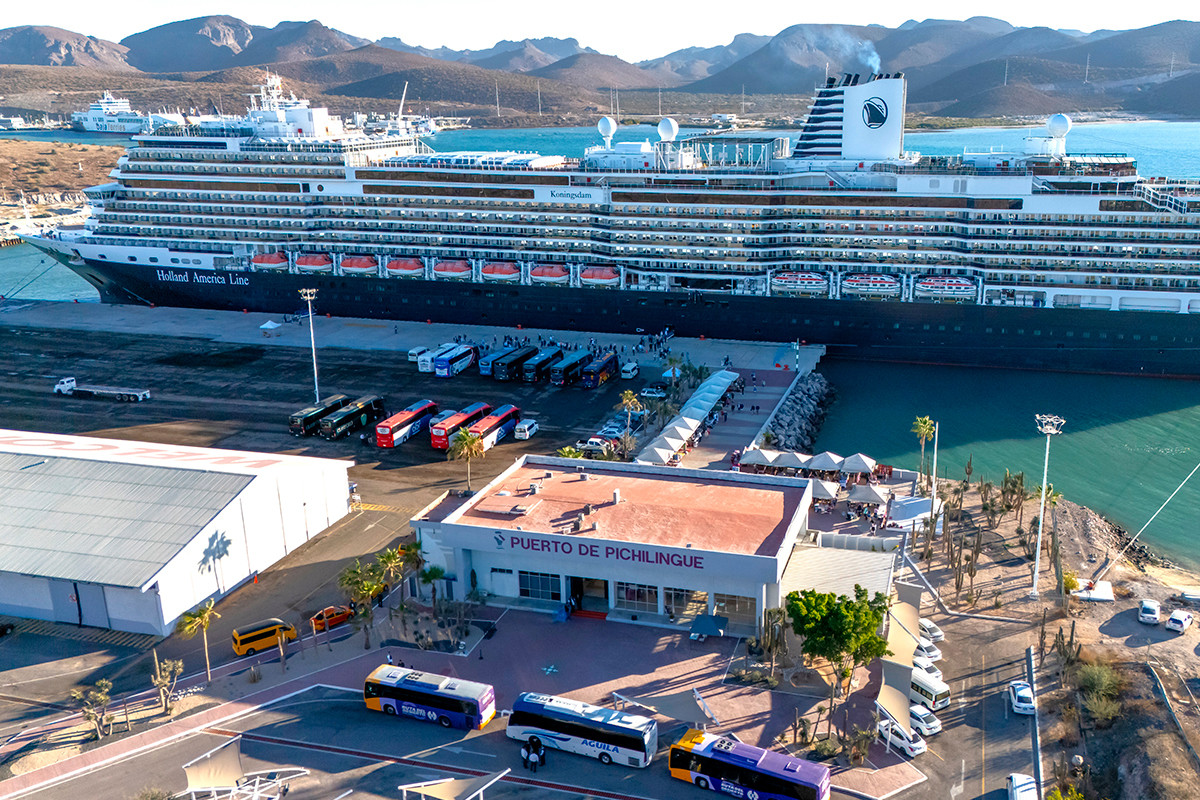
(389, 658)
(525, 756)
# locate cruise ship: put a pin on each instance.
(1033, 259)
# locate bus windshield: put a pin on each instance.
(743, 770)
(601, 733)
(450, 702)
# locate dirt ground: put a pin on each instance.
(36, 168)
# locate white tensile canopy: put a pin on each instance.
(452, 788)
(858, 463)
(826, 462)
(789, 459)
(761, 457)
(825, 490)
(867, 494)
(269, 325)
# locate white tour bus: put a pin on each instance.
(927, 690)
(601, 733)
(425, 360)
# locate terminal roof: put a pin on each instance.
(667, 507)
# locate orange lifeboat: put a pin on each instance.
(314, 262)
(359, 265)
(275, 260)
(600, 276)
(406, 267)
(549, 273)
(501, 271)
(452, 269)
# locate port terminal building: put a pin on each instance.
(639, 543)
(130, 535)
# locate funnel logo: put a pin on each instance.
(875, 113)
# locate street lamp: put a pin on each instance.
(1049, 425)
(308, 295)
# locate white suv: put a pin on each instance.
(889, 731)
(921, 719)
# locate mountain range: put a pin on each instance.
(975, 67)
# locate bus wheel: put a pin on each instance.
(249, 651)
(605, 759)
(444, 722)
(702, 781)
(389, 710)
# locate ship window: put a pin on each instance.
(941, 327)
(174, 260)
(1037, 333)
(1154, 338)
(1137, 337)
(153, 259)
(133, 258)
(925, 327)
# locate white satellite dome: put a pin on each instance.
(668, 129)
(1058, 125)
(607, 127)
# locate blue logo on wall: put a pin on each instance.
(874, 112)
(499, 537)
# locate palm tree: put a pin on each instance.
(466, 446)
(197, 621)
(627, 443)
(630, 405)
(414, 558)
(429, 575)
(673, 364)
(923, 428)
(569, 452)
(391, 565)
(362, 583)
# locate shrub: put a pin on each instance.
(772, 682)
(1070, 581)
(754, 676)
(1103, 709)
(827, 747)
(1099, 679)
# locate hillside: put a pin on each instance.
(1148, 48)
(594, 71)
(525, 58)
(45, 46)
(694, 63)
(296, 41)
(929, 42)
(204, 43)
(1014, 100)
(1180, 96)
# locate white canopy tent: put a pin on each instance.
(793, 460)
(826, 462)
(825, 490)
(759, 457)
(868, 494)
(858, 463)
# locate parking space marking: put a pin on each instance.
(982, 726)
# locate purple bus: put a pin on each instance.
(743, 770)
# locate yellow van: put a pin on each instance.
(265, 635)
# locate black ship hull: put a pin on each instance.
(959, 334)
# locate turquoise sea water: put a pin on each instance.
(1127, 442)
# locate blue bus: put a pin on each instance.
(455, 361)
(485, 363)
(497, 425)
(450, 702)
(601, 733)
(727, 766)
(600, 370)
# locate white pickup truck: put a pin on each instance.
(68, 386)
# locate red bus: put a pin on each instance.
(399, 428)
(439, 434)
(497, 425)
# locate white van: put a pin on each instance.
(415, 353)
(629, 370)
(927, 690)
(525, 429)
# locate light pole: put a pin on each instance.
(308, 295)
(1050, 425)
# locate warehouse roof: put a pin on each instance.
(101, 522)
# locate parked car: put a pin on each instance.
(930, 630)
(927, 649)
(923, 720)
(1020, 696)
(928, 667)
(892, 733)
(330, 616)
(1022, 787)
(629, 370)
(1179, 621)
(653, 393)
(1150, 612)
(525, 429)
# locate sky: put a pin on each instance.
(631, 29)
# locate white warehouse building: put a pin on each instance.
(130, 535)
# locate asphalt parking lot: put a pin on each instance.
(982, 741)
(239, 396)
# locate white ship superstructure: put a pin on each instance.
(841, 234)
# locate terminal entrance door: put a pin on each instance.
(590, 594)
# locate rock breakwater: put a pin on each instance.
(797, 421)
